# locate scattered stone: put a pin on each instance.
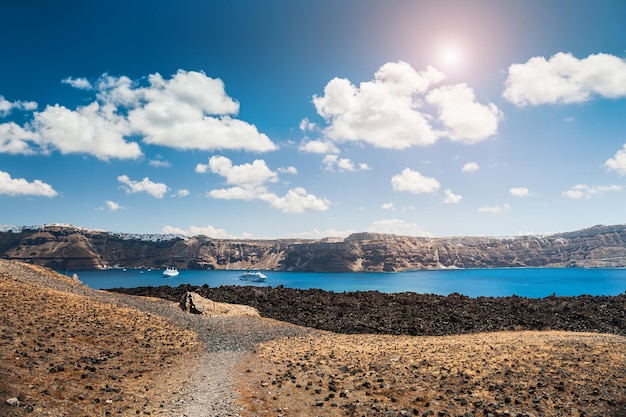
(13, 401)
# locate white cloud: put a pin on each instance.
(155, 189)
(519, 191)
(111, 206)
(14, 139)
(187, 111)
(79, 83)
(585, 191)
(202, 168)
(193, 111)
(91, 129)
(248, 175)
(494, 209)
(334, 163)
(159, 163)
(181, 193)
(470, 167)
(318, 146)
(383, 112)
(414, 182)
(306, 125)
(288, 170)
(451, 198)
(297, 200)
(389, 111)
(466, 120)
(397, 227)
(208, 231)
(237, 193)
(392, 207)
(248, 182)
(118, 91)
(618, 162)
(7, 106)
(20, 186)
(565, 79)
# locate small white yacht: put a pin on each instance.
(253, 276)
(170, 271)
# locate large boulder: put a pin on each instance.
(195, 304)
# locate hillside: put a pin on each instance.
(72, 351)
(66, 350)
(67, 247)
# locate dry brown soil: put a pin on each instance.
(67, 355)
(506, 373)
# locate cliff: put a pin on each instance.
(68, 247)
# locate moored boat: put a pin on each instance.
(170, 271)
(253, 276)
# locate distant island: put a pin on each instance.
(66, 247)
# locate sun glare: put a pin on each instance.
(451, 56)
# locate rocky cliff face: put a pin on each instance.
(62, 247)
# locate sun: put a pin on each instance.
(450, 55)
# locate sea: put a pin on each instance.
(523, 282)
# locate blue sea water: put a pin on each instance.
(524, 282)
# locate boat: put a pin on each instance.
(253, 276)
(170, 271)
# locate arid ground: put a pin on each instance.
(66, 354)
(68, 350)
(508, 373)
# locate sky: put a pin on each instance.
(310, 119)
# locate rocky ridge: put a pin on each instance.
(66, 247)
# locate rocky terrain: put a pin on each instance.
(513, 374)
(66, 247)
(68, 350)
(411, 313)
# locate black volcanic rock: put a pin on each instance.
(65, 247)
(411, 313)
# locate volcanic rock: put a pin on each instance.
(409, 313)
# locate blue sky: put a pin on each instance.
(248, 119)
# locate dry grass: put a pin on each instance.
(64, 354)
(511, 373)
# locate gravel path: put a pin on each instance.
(226, 339)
